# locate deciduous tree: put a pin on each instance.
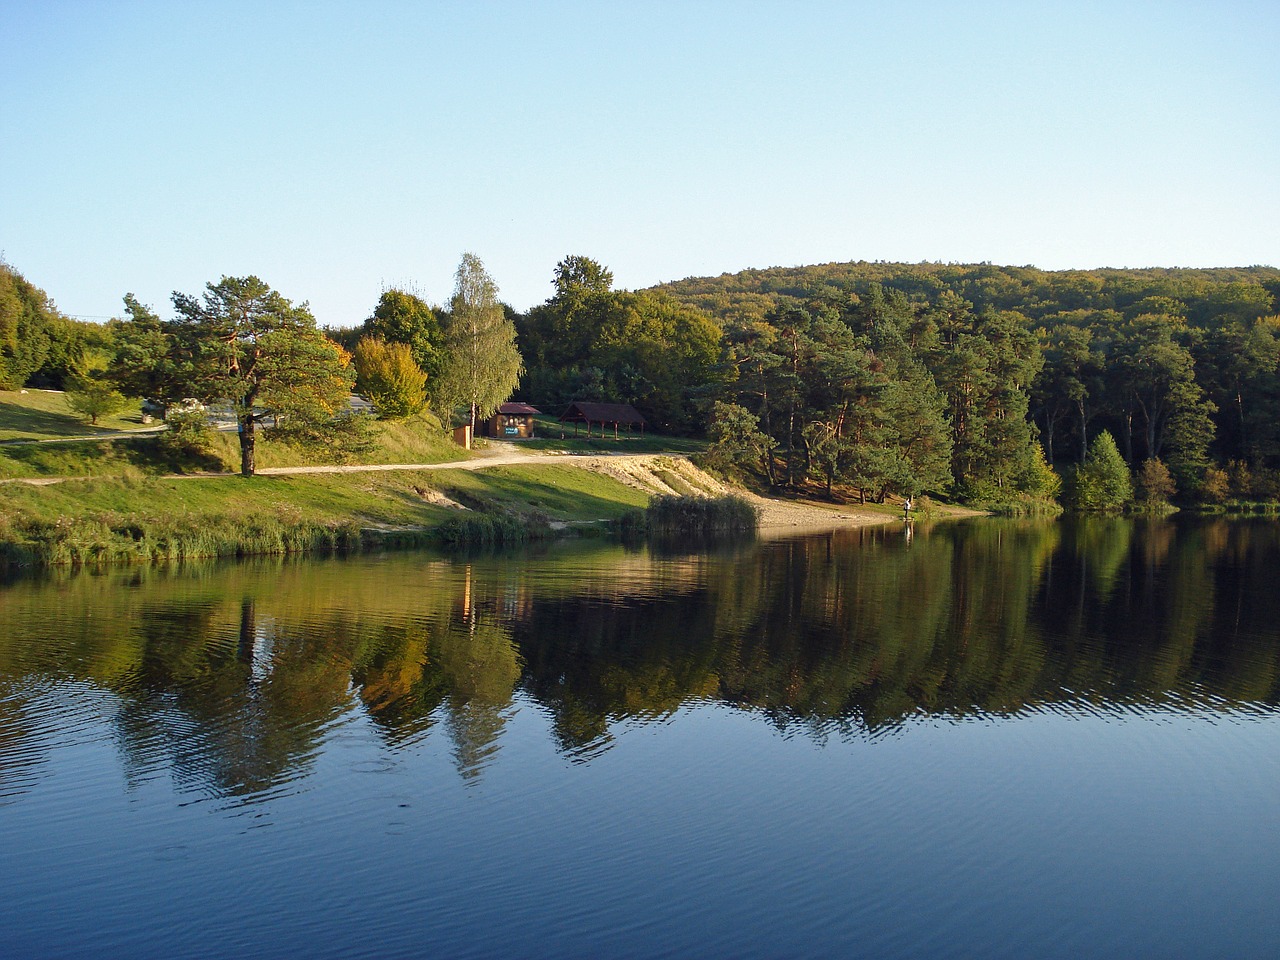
(582, 274)
(404, 317)
(482, 364)
(387, 375)
(24, 322)
(94, 398)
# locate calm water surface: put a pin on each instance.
(991, 739)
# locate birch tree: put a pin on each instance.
(482, 363)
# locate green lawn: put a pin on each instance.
(43, 414)
(416, 440)
(91, 458)
(391, 497)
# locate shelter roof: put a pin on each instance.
(583, 412)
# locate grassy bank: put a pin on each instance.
(140, 518)
(1263, 508)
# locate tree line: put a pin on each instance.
(243, 343)
(1179, 367)
(991, 384)
(39, 346)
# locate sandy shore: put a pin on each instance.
(793, 513)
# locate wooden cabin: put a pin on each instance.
(512, 421)
(604, 415)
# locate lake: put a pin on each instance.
(989, 738)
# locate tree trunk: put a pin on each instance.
(1244, 446)
(1084, 431)
(791, 446)
(247, 438)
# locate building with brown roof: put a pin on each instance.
(511, 421)
(605, 414)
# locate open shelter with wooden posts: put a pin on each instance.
(512, 421)
(605, 414)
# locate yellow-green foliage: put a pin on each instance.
(388, 377)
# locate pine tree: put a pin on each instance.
(257, 350)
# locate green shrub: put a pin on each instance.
(343, 438)
(94, 398)
(188, 441)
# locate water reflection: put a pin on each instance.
(229, 678)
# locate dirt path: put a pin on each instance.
(482, 461)
(497, 459)
(82, 438)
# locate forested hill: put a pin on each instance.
(1003, 364)
(1203, 293)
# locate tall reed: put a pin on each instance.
(695, 516)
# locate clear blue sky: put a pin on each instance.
(332, 148)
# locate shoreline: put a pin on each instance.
(49, 522)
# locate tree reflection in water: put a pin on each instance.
(231, 676)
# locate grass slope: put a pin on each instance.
(413, 441)
(44, 414)
(124, 503)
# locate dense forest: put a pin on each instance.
(1001, 386)
(1178, 365)
(970, 379)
